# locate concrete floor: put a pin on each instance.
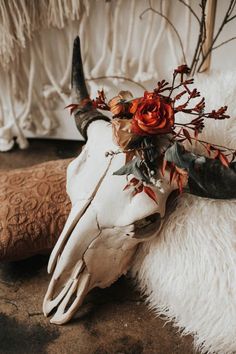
(116, 319)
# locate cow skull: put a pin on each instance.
(106, 222)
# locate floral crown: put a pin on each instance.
(145, 128)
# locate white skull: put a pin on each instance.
(104, 227)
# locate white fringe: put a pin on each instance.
(113, 68)
(152, 68)
(125, 55)
(36, 47)
(100, 67)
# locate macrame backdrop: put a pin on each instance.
(36, 40)
(119, 39)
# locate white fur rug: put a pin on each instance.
(189, 271)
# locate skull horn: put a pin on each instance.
(84, 112)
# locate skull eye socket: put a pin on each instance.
(148, 226)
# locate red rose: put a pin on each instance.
(152, 115)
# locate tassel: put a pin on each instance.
(6, 138)
(124, 62)
(172, 43)
(152, 68)
(84, 38)
(188, 27)
(20, 138)
(141, 75)
(55, 85)
(100, 67)
(69, 37)
(55, 14)
(6, 135)
(113, 69)
(25, 113)
(1, 113)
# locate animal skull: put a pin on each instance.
(106, 223)
(104, 228)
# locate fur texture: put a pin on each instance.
(189, 271)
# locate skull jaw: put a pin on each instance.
(108, 256)
(114, 253)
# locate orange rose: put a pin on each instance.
(152, 115)
(119, 106)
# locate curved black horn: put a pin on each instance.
(208, 178)
(77, 76)
(85, 113)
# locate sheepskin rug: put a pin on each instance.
(188, 272)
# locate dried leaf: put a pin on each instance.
(181, 107)
(163, 168)
(125, 95)
(217, 152)
(129, 156)
(172, 171)
(208, 149)
(72, 107)
(180, 182)
(177, 97)
(187, 135)
(133, 182)
(224, 159)
(196, 132)
(150, 193)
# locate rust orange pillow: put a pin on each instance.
(33, 209)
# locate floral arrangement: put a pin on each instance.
(145, 128)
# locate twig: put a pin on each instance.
(150, 8)
(191, 10)
(232, 5)
(207, 142)
(226, 19)
(228, 40)
(119, 78)
(117, 152)
(201, 39)
(231, 18)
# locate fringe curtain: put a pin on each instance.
(36, 40)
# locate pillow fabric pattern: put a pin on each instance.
(34, 208)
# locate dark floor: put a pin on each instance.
(116, 320)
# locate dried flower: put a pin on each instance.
(182, 69)
(138, 123)
(122, 133)
(119, 105)
(154, 115)
(100, 101)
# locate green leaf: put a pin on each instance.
(134, 167)
(181, 158)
